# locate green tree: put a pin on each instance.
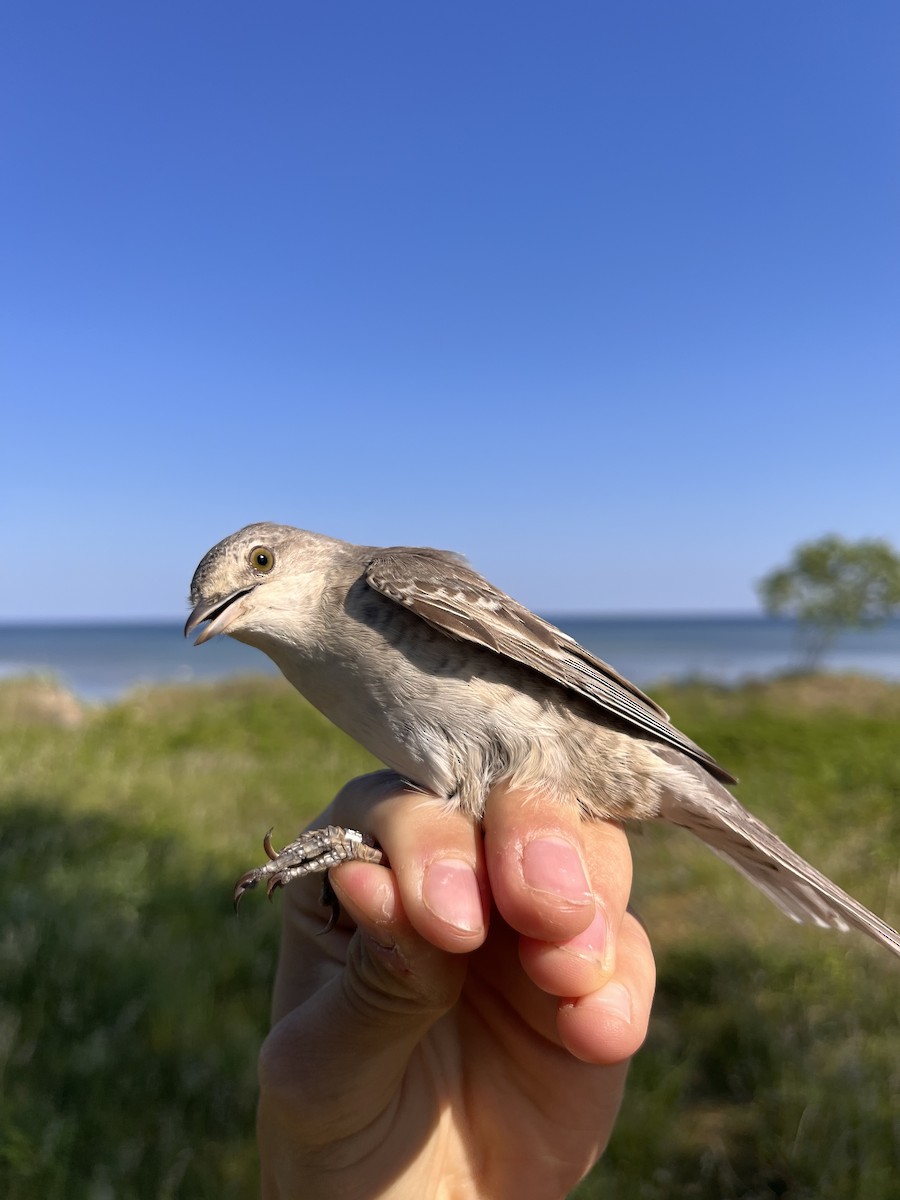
(833, 584)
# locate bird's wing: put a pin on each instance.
(438, 587)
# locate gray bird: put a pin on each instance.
(457, 687)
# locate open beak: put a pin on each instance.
(219, 613)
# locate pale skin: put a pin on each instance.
(465, 1031)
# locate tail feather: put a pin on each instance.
(797, 888)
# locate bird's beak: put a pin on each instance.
(219, 613)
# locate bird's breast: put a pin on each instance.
(390, 714)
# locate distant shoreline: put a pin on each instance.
(102, 661)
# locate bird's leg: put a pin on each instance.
(315, 850)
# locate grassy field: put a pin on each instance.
(132, 1003)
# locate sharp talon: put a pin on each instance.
(328, 899)
(273, 885)
(267, 845)
(332, 920)
(246, 883)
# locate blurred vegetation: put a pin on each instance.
(132, 1003)
(832, 584)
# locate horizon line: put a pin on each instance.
(555, 615)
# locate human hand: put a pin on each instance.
(430, 1046)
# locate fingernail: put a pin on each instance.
(591, 943)
(450, 891)
(614, 999)
(554, 865)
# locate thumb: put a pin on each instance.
(331, 1065)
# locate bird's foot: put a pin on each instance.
(315, 850)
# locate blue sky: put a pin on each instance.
(606, 296)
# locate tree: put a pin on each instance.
(833, 584)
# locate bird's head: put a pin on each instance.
(255, 584)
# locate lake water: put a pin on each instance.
(103, 661)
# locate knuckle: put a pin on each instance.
(381, 981)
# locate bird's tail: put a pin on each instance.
(798, 889)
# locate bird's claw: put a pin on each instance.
(316, 850)
(246, 883)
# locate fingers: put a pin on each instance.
(436, 856)
(437, 872)
(564, 884)
(560, 882)
(355, 1034)
(555, 877)
(609, 1025)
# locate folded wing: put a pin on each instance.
(440, 589)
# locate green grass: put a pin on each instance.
(132, 1004)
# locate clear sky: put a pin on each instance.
(604, 295)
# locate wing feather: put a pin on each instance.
(440, 589)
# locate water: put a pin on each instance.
(102, 662)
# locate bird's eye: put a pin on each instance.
(262, 560)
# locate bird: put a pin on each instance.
(458, 688)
